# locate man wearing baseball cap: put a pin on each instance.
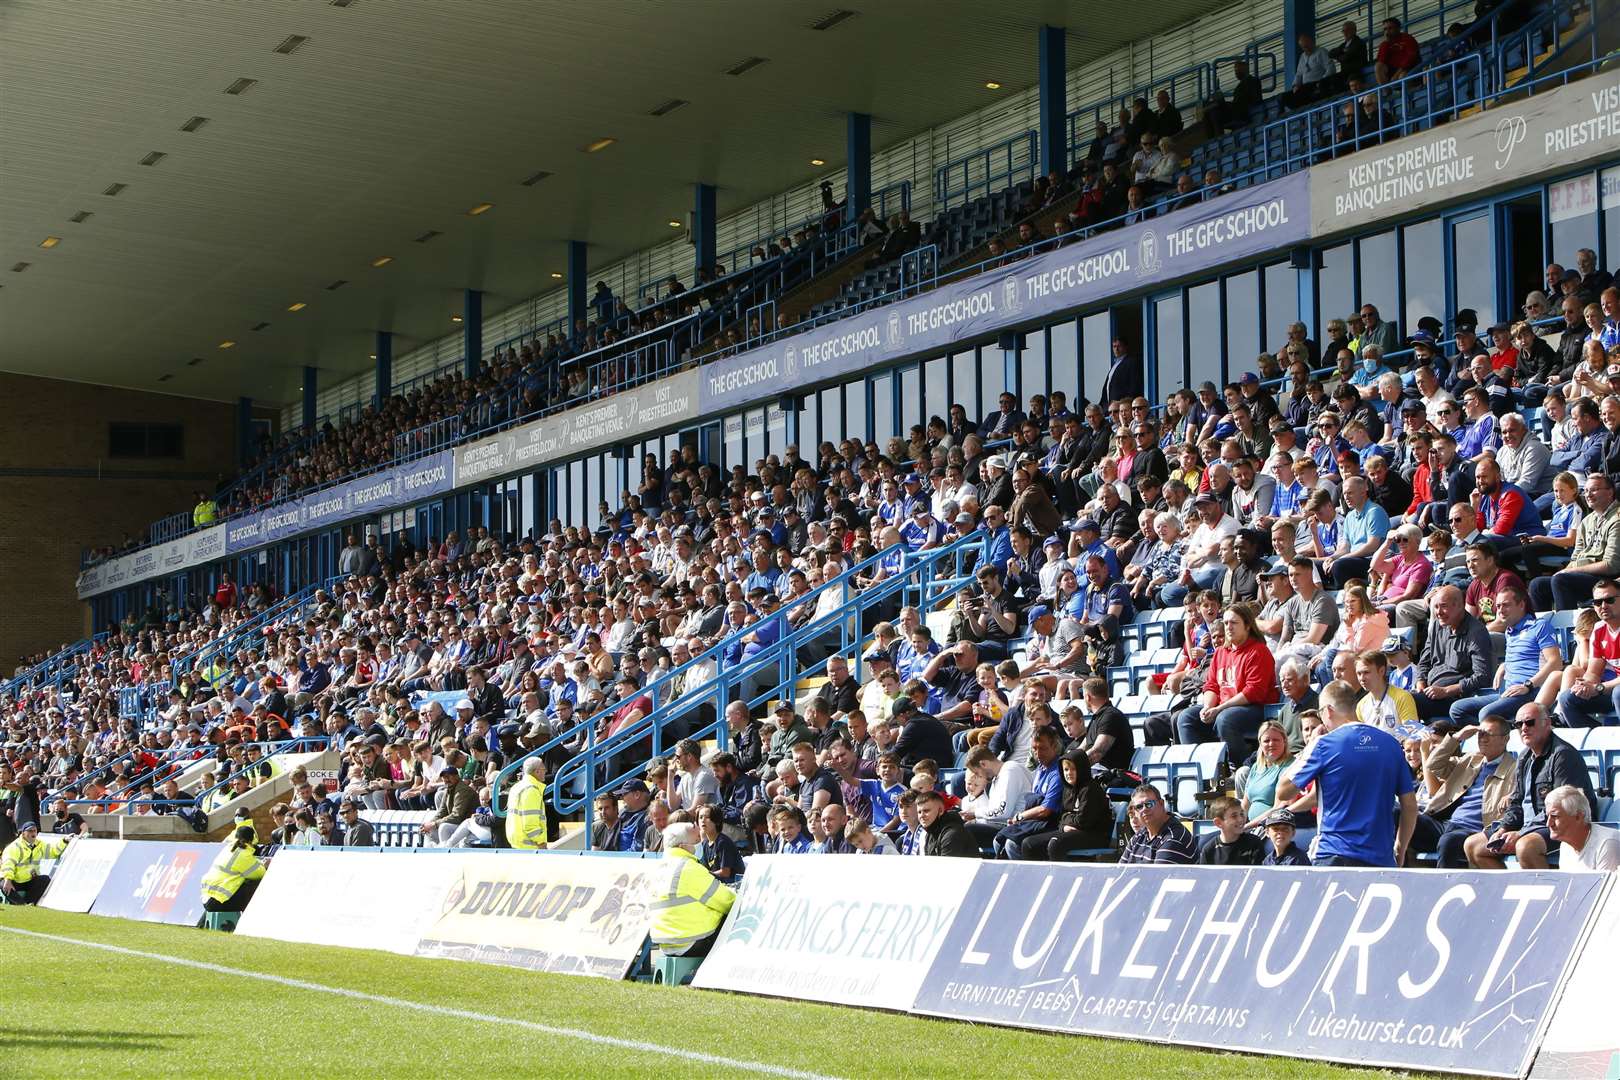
(20, 878)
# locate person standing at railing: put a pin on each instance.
(205, 513)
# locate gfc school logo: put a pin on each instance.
(895, 338)
(790, 361)
(1012, 295)
(1147, 253)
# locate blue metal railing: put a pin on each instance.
(980, 172)
(925, 578)
(1274, 149)
(121, 799)
(1188, 87)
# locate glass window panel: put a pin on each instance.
(965, 381)
(910, 397)
(775, 431)
(882, 410)
(576, 494)
(1282, 304)
(1242, 321)
(832, 414)
(1335, 291)
(1379, 276)
(593, 491)
(1425, 286)
(855, 425)
(1204, 336)
(936, 395)
(1572, 211)
(634, 471)
(753, 439)
(809, 426)
(1032, 367)
(733, 429)
(1065, 349)
(1474, 255)
(1169, 347)
(1609, 196)
(1097, 351)
(992, 381)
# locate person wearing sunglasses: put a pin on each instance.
(1159, 837)
(1548, 762)
(1594, 697)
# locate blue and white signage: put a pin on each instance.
(1443, 972)
(1227, 228)
(369, 495)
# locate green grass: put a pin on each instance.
(75, 1011)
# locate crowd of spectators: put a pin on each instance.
(1350, 557)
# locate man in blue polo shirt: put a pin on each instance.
(1365, 527)
(1532, 657)
(1091, 543)
(1359, 772)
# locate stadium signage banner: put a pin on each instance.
(370, 495)
(366, 899)
(1441, 972)
(573, 916)
(1581, 1039)
(81, 872)
(190, 550)
(629, 415)
(848, 929)
(1226, 228)
(156, 881)
(1556, 129)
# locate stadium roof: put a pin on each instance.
(371, 123)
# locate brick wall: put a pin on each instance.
(61, 493)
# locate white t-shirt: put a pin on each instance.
(1601, 853)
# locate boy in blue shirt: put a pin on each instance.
(884, 792)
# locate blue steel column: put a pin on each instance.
(703, 223)
(1299, 17)
(310, 386)
(385, 365)
(858, 182)
(1054, 100)
(576, 283)
(472, 330)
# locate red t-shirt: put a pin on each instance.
(1606, 646)
(1482, 594)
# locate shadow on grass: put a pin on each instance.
(84, 1039)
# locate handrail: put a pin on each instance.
(1204, 82)
(665, 683)
(271, 748)
(846, 623)
(1024, 164)
(1269, 169)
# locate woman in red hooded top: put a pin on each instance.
(1242, 682)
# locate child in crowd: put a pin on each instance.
(1233, 845)
(1283, 851)
(884, 792)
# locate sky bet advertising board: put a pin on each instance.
(156, 881)
(1446, 972)
(1238, 225)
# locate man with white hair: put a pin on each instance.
(689, 902)
(1585, 846)
(526, 812)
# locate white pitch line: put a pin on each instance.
(438, 1010)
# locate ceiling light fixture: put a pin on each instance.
(114, 189)
(455, 318)
(674, 224)
(481, 208)
(598, 145)
(227, 344)
(50, 241)
(425, 237)
(535, 179)
(194, 123)
(80, 218)
(374, 356)
(818, 162)
(382, 260)
(992, 86)
(154, 157)
(292, 44)
(240, 87)
(557, 274)
(299, 306)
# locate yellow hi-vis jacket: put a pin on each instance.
(19, 862)
(526, 815)
(232, 866)
(204, 513)
(690, 904)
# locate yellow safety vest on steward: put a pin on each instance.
(526, 815)
(19, 862)
(232, 866)
(691, 903)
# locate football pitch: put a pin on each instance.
(88, 996)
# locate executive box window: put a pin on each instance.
(146, 440)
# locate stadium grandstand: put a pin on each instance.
(496, 481)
